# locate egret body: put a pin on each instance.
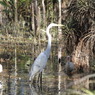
(40, 62)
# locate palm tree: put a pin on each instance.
(81, 19)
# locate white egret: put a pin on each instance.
(1, 68)
(40, 62)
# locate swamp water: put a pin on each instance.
(14, 79)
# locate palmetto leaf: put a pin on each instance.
(3, 3)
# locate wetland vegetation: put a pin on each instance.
(22, 38)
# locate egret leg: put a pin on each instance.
(40, 78)
(31, 79)
(37, 78)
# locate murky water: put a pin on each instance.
(14, 79)
(15, 82)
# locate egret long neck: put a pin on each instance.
(48, 49)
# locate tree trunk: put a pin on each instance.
(32, 15)
(59, 48)
(1, 16)
(16, 14)
(39, 24)
(44, 14)
(35, 15)
(59, 33)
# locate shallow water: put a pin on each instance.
(14, 78)
(54, 81)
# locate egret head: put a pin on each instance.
(54, 24)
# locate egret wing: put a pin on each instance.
(41, 60)
(39, 64)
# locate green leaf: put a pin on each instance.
(3, 3)
(7, 11)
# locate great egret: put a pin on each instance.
(69, 67)
(1, 68)
(40, 62)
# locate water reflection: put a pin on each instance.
(1, 79)
(59, 78)
(33, 90)
(54, 81)
(52, 84)
(15, 73)
(1, 86)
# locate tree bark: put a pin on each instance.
(32, 15)
(1, 15)
(39, 23)
(16, 14)
(44, 13)
(59, 33)
(59, 48)
(35, 15)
